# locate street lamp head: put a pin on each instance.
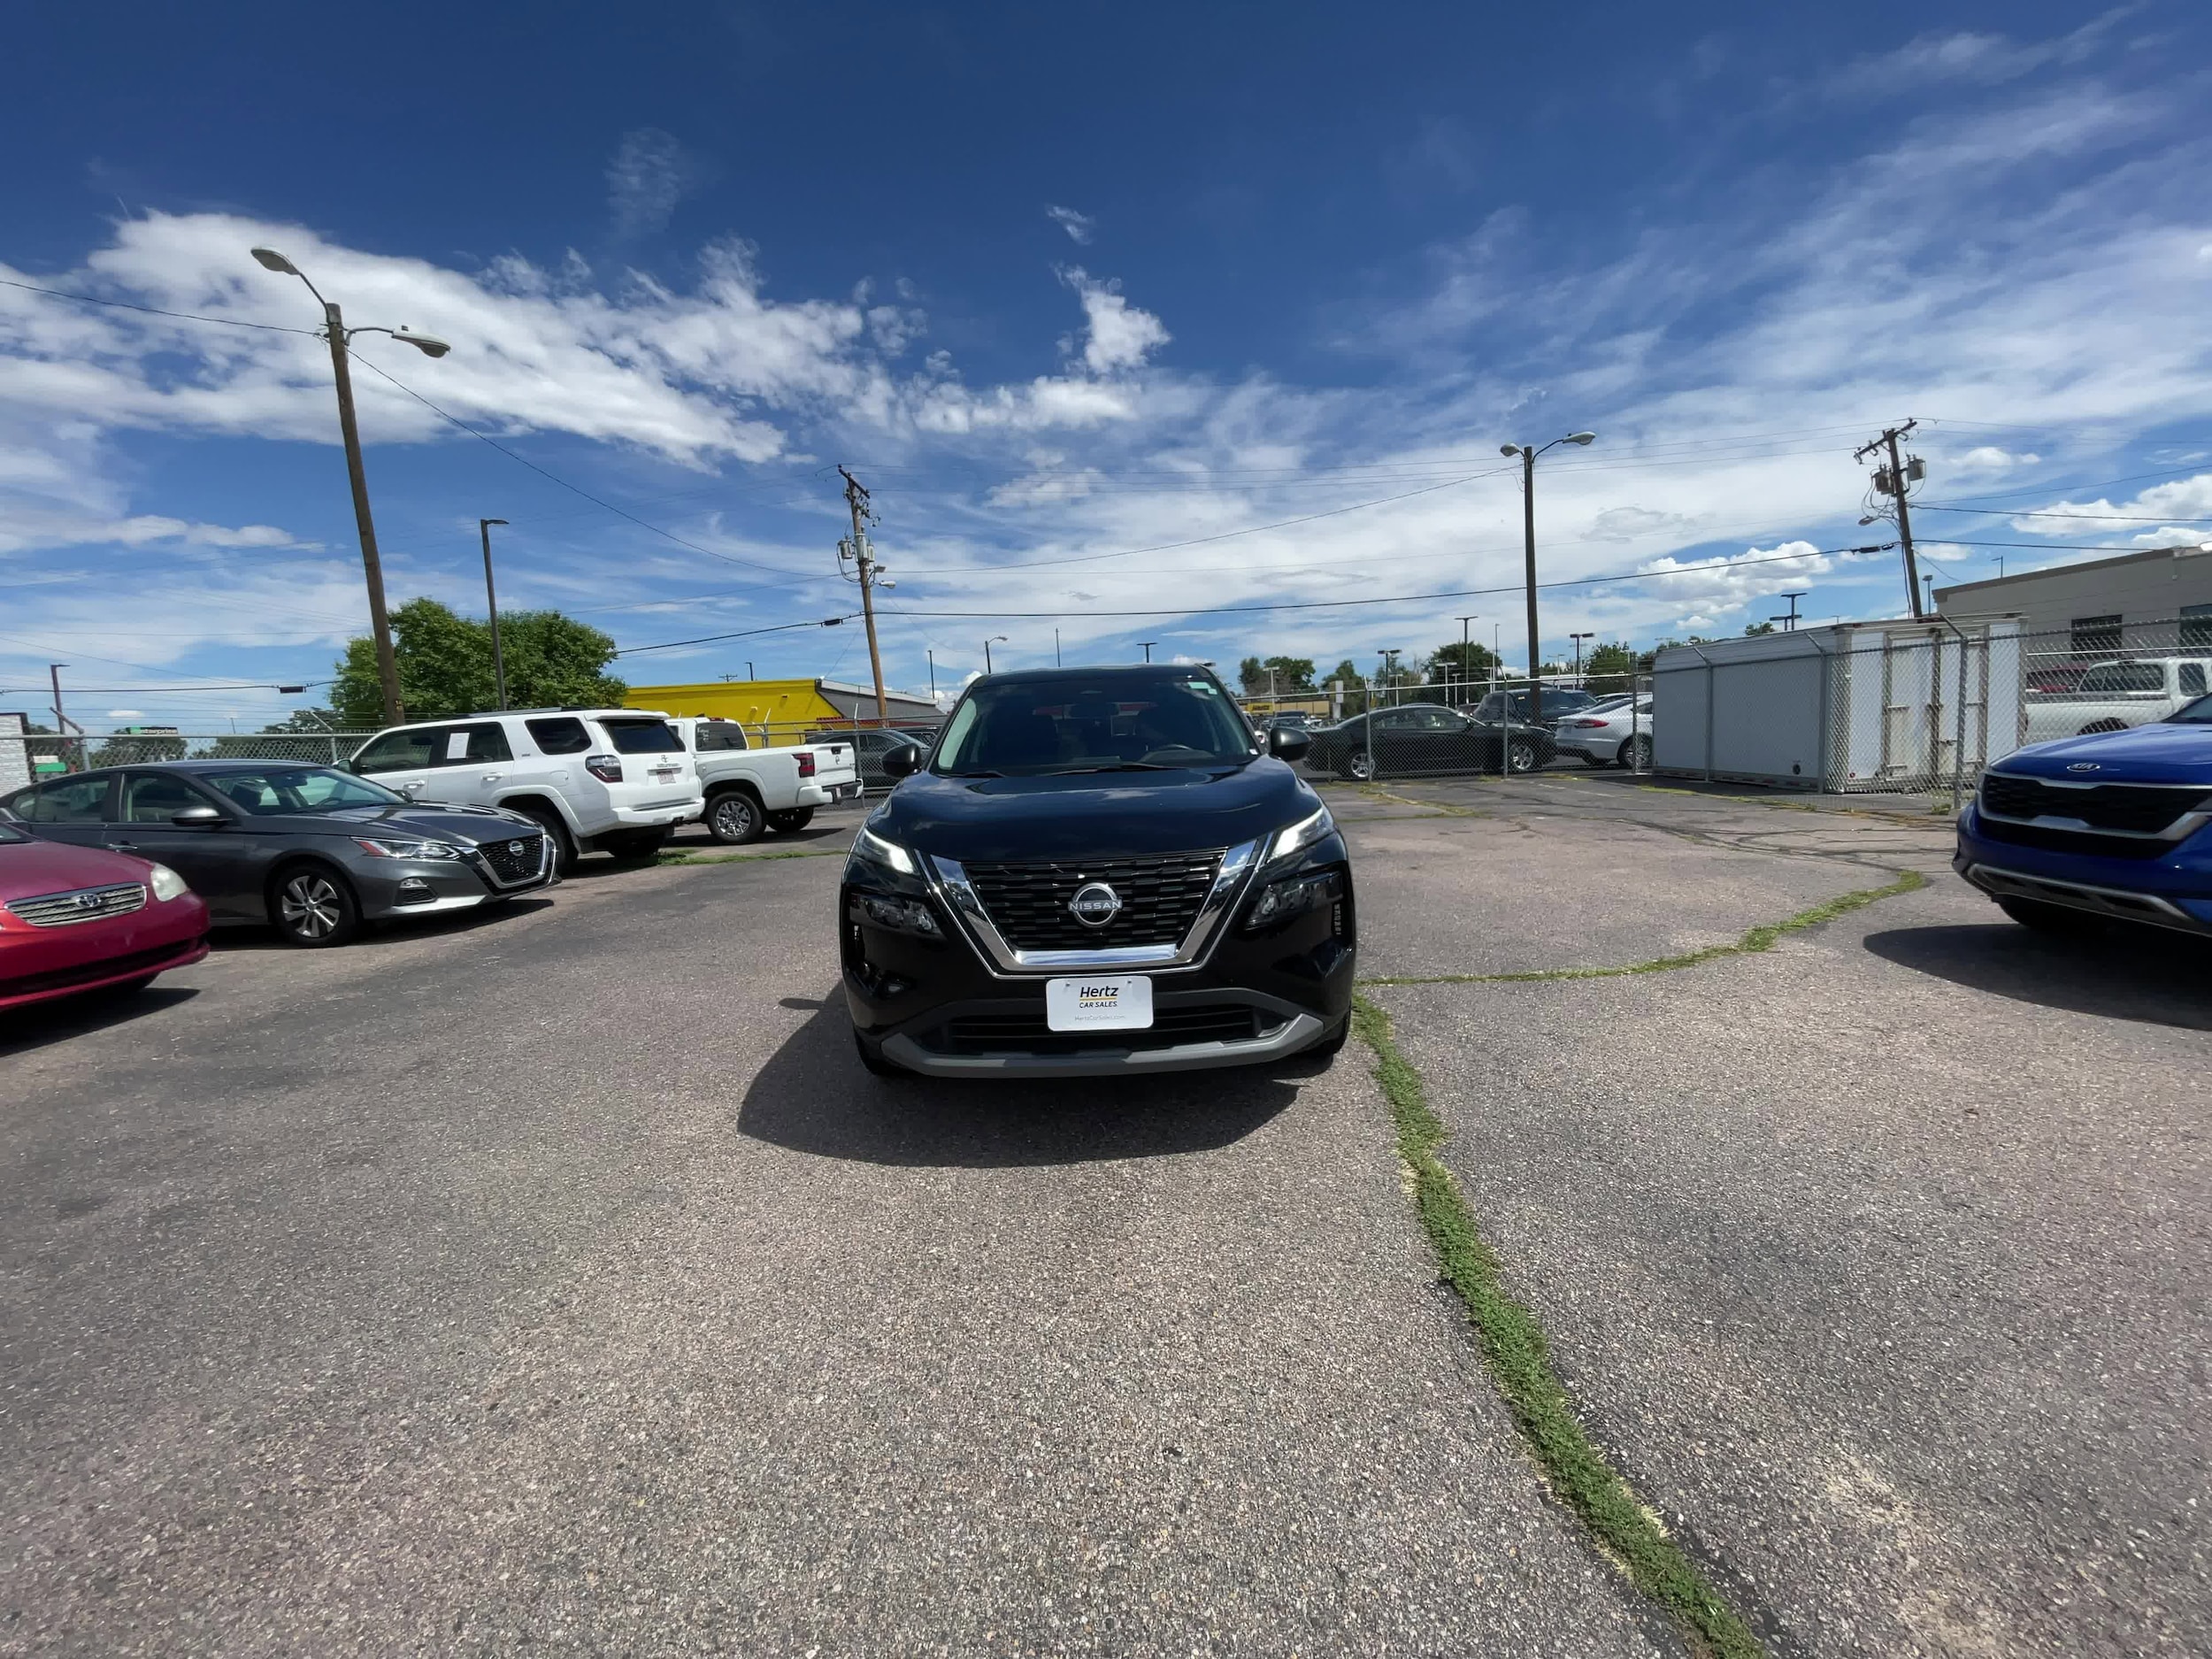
(1867, 519)
(1508, 449)
(272, 260)
(429, 345)
(484, 521)
(1583, 438)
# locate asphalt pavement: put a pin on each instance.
(556, 1279)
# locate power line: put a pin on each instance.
(2092, 518)
(742, 634)
(1716, 567)
(154, 311)
(727, 558)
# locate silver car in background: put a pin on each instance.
(1603, 735)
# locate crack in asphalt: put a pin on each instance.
(1626, 1528)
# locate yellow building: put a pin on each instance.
(787, 709)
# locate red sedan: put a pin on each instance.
(75, 918)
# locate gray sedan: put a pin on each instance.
(313, 851)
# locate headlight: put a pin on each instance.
(1280, 901)
(1305, 833)
(166, 884)
(388, 849)
(871, 846)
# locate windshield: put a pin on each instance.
(1033, 727)
(643, 737)
(2197, 713)
(269, 791)
(9, 834)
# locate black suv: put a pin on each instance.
(1101, 870)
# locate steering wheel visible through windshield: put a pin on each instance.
(1117, 722)
(276, 791)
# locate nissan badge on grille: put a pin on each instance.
(1096, 904)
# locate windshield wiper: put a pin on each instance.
(984, 772)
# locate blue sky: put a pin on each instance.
(1063, 285)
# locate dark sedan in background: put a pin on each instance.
(74, 918)
(871, 746)
(310, 851)
(1425, 737)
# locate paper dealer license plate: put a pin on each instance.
(1106, 1002)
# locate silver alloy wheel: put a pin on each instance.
(733, 818)
(1636, 753)
(1521, 756)
(1362, 766)
(310, 906)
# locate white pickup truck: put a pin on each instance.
(749, 790)
(2117, 694)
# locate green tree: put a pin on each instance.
(1289, 676)
(1754, 628)
(131, 749)
(1608, 667)
(1352, 684)
(1457, 664)
(1251, 676)
(445, 665)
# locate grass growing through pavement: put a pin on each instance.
(1513, 1346)
(1756, 940)
(752, 858)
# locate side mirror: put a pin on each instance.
(902, 761)
(198, 818)
(1288, 742)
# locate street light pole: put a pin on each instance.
(372, 564)
(1578, 638)
(1528, 518)
(339, 336)
(1000, 639)
(1466, 671)
(491, 598)
(1148, 645)
(1056, 649)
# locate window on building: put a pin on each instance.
(2096, 636)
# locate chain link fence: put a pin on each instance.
(82, 752)
(1460, 728)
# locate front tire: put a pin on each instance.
(734, 818)
(1361, 767)
(872, 1060)
(1332, 1044)
(556, 832)
(791, 820)
(635, 846)
(1636, 753)
(314, 908)
(1520, 755)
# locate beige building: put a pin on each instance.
(2143, 603)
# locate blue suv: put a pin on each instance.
(2111, 824)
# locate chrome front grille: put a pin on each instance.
(85, 904)
(1160, 898)
(516, 860)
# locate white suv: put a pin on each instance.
(615, 781)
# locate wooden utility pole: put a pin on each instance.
(1891, 481)
(864, 557)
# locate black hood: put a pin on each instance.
(1108, 815)
(471, 825)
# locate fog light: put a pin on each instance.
(903, 916)
(1280, 901)
(415, 890)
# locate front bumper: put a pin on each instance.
(391, 887)
(37, 965)
(2172, 890)
(941, 1008)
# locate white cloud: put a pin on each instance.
(126, 714)
(1118, 337)
(651, 171)
(1080, 227)
(1727, 582)
(1988, 458)
(2181, 498)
